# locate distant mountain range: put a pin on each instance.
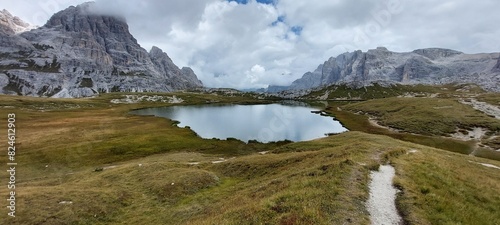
(431, 66)
(80, 53)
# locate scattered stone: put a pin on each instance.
(490, 165)
(412, 151)
(108, 167)
(483, 107)
(476, 133)
(486, 164)
(132, 99)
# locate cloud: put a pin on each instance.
(254, 43)
(37, 12)
(255, 73)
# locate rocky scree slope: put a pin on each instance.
(431, 66)
(80, 53)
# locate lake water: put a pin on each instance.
(264, 123)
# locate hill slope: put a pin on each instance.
(85, 161)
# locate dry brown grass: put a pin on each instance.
(316, 182)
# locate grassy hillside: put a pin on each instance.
(88, 161)
(376, 91)
(491, 98)
(428, 121)
(428, 116)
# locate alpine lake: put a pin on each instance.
(264, 123)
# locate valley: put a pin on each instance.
(89, 161)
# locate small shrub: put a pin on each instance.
(425, 190)
(394, 153)
(373, 166)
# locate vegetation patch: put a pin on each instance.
(149, 172)
(42, 47)
(358, 122)
(86, 83)
(376, 91)
(427, 116)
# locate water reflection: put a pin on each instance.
(263, 123)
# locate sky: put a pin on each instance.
(256, 43)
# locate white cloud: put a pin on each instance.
(258, 69)
(234, 45)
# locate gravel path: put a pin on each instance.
(489, 109)
(381, 203)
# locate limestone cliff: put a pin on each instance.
(80, 53)
(422, 66)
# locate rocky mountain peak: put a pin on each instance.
(85, 18)
(421, 66)
(157, 53)
(10, 24)
(81, 52)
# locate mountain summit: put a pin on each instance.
(13, 24)
(422, 66)
(79, 53)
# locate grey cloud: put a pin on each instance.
(216, 37)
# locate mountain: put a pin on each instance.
(276, 88)
(423, 66)
(13, 24)
(80, 53)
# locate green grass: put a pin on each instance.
(431, 194)
(376, 91)
(294, 184)
(150, 172)
(493, 142)
(355, 122)
(491, 98)
(428, 116)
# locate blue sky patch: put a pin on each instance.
(267, 2)
(281, 19)
(239, 1)
(297, 30)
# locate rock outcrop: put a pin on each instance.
(423, 66)
(497, 66)
(80, 53)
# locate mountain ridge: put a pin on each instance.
(80, 53)
(422, 66)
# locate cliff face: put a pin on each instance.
(423, 66)
(80, 53)
(497, 66)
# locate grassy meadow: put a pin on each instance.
(88, 161)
